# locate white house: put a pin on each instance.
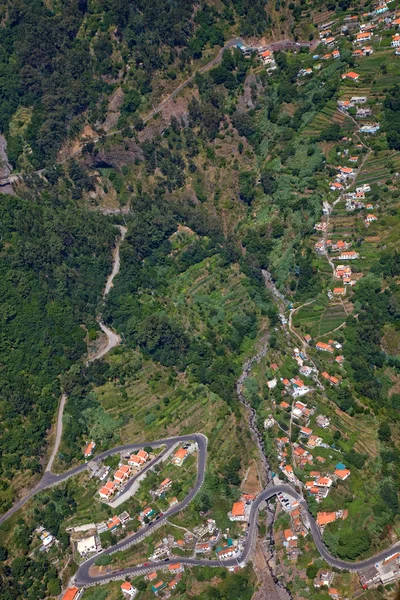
(89, 545)
(128, 590)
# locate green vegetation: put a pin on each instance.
(54, 259)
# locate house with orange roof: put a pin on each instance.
(395, 43)
(143, 455)
(288, 471)
(88, 452)
(365, 36)
(108, 490)
(289, 535)
(151, 576)
(113, 523)
(128, 590)
(358, 53)
(157, 587)
(342, 474)
(176, 568)
(324, 347)
(324, 518)
(238, 511)
(351, 75)
(166, 483)
(339, 291)
(306, 431)
(284, 404)
(339, 359)
(324, 482)
(349, 255)
(72, 593)
(333, 593)
(173, 502)
(180, 456)
(122, 474)
(267, 57)
(135, 462)
(336, 54)
(370, 218)
(202, 547)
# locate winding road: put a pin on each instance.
(113, 339)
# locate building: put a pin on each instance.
(108, 490)
(342, 474)
(349, 255)
(370, 127)
(238, 512)
(288, 471)
(146, 513)
(324, 347)
(157, 587)
(323, 578)
(351, 75)
(267, 57)
(175, 568)
(166, 484)
(289, 535)
(331, 378)
(89, 449)
(173, 502)
(89, 545)
(364, 36)
(339, 291)
(305, 431)
(322, 421)
(128, 590)
(370, 218)
(369, 577)
(135, 462)
(113, 523)
(202, 547)
(180, 456)
(72, 593)
(324, 518)
(122, 474)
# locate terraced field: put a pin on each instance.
(328, 115)
(379, 169)
(332, 317)
(152, 400)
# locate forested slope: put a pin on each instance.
(54, 258)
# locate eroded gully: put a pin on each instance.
(282, 591)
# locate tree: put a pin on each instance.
(312, 571)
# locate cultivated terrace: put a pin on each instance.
(251, 149)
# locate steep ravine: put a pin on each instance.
(283, 592)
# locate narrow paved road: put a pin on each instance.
(113, 339)
(83, 578)
(58, 432)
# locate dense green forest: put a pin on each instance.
(53, 263)
(60, 61)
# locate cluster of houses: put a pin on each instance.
(266, 56)
(122, 474)
(160, 587)
(383, 572)
(297, 528)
